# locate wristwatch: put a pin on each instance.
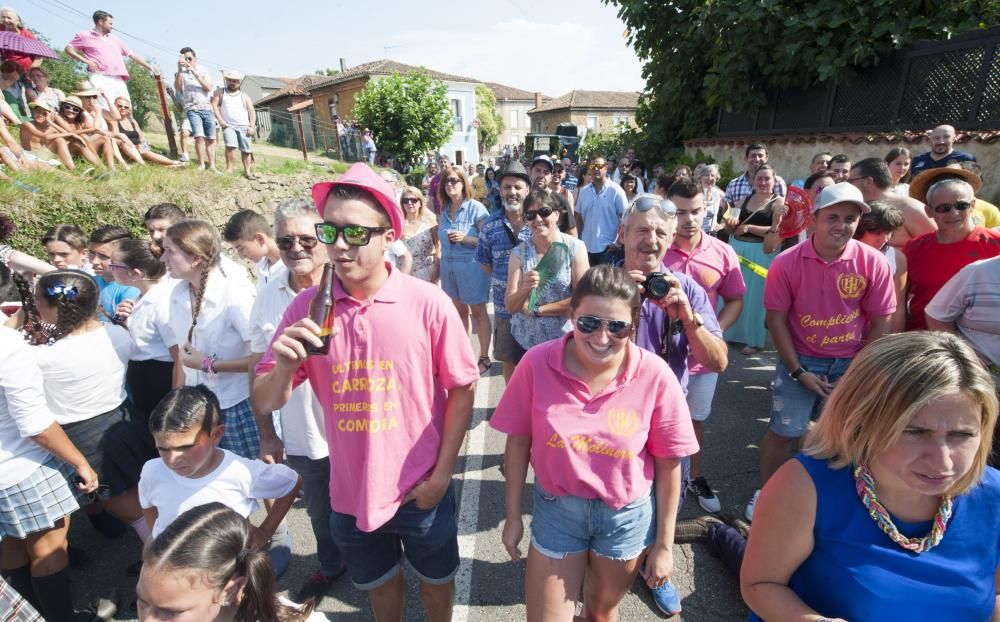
(798, 372)
(697, 320)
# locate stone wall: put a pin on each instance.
(791, 155)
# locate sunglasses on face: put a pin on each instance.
(69, 108)
(541, 212)
(286, 242)
(354, 235)
(597, 167)
(451, 181)
(406, 200)
(960, 206)
(618, 329)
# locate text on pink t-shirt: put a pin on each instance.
(596, 446)
(829, 304)
(383, 388)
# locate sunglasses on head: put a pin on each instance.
(541, 212)
(354, 235)
(619, 329)
(286, 242)
(960, 206)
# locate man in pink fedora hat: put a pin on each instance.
(396, 390)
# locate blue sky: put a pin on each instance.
(552, 45)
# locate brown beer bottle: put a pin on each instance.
(321, 311)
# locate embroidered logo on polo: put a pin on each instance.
(851, 285)
(623, 422)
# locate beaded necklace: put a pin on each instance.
(866, 490)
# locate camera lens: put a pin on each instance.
(656, 285)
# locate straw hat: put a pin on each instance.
(85, 89)
(232, 74)
(40, 104)
(922, 182)
(74, 101)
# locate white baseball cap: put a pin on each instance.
(843, 192)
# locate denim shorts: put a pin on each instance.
(792, 405)
(464, 280)
(236, 136)
(563, 525)
(202, 123)
(427, 538)
(701, 391)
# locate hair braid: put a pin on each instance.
(70, 316)
(34, 329)
(198, 297)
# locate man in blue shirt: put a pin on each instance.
(570, 182)
(942, 141)
(599, 209)
(499, 234)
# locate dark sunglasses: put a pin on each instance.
(71, 108)
(618, 329)
(542, 212)
(451, 181)
(354, 235)
(410, 200)
(961, 206)
(286, 242)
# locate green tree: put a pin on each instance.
(702, 55)
(408, 114)
(64, 72)
(601, 144)
(490, 121)
(142, 90)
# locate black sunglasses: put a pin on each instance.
(286, 242)
(618, 329)
(354, 235)
(541, 212)
(409, 200)
(71, 108)
(961, 206)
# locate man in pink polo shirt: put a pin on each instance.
(715, 266)
(397, 399)
(102, 53)
(825, 298)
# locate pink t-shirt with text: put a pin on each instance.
(107, 50)
(383, 388)
(829, 304)
(596, 446)
(715, 266)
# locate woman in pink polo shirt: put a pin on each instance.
(605, 438)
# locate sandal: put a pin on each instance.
(485, 364)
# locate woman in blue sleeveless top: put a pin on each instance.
(890, 513)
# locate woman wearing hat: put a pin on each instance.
(82, 140)
(103, 116)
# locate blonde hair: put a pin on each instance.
(887, 384)
(198, 238)
(413, 191)
(443, 199)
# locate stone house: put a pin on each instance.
(589, 111)
(513, 105)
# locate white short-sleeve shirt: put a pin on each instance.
(23, 411)
(302, 427)
(267, 272)
(85, 373)
(971, 299)
(149, 323)
(237, 483)
(223, 330)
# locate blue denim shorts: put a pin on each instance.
(427, 538)
(202, 123)
(464, 280)
(792, 405)
(562, 525)
(235, 136)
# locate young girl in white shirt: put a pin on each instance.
(206, 561)
(150, 368)
(84, 382)
(210, 319)
(192, 470)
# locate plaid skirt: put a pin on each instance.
(116, 444)
(38, 501)
(241, 436)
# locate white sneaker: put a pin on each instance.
(751, 505)
(184, 157)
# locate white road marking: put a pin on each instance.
(468, 512)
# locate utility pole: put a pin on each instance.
(168, 121)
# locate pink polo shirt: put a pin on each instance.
(596, 446)
(715, 266)
(829, 304)
(107, 50)
(383, 388)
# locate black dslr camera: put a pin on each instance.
(656, 285)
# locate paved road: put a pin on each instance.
(489, 586)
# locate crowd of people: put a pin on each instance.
(45, 128)
(155, 384)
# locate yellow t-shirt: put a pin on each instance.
(986, 214)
